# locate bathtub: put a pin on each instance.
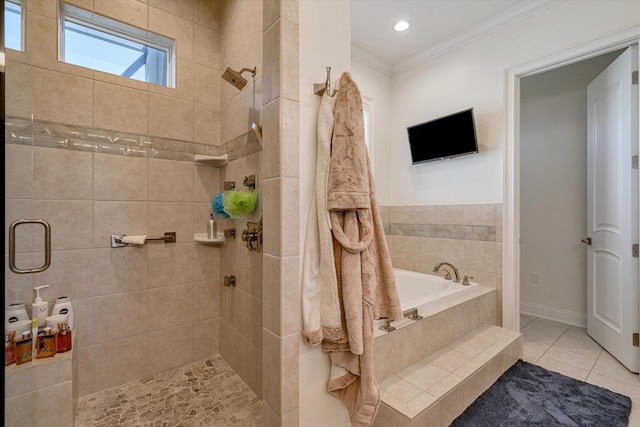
(425, 292)
(450, 310)
(421, 290)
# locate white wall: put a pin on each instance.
(553, 177)
(377, 86)
(325, 39)
(473, 76)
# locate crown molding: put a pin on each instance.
(510, 16)
(369, 59)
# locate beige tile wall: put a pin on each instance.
(137, 310)
(135, 306)
(468, 236)
(150, 299)
(280, 184)
(241, 341)
(33, 395)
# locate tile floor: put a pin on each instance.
(210, 393)
(204, 393)
(570, 351)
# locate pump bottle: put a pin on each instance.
(40, 309)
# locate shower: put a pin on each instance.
(257, 130)
(235, 77)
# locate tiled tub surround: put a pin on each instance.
(442, 324)
(430, 370)
(437, 389)
(468, 236)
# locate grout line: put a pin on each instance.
(594, 364)
(556, 340)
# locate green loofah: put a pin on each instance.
(238, 203)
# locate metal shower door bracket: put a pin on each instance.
(12, 246)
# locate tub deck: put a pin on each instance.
(430, 370)
(437, 389)
(444, 322)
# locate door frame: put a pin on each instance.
(511, 208)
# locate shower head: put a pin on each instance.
(257, 129)
(235, 77)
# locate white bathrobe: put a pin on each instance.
(320, 299)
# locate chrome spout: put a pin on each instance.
(436, 269)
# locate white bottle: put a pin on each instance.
(40, 309)
(212, 232)
(63, 306)
(15, 313)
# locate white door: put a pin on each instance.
(612, 214)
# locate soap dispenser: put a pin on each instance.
(40, 309)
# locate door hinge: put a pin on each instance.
(634, 162)
(636, 339)
(635, 249)
(634, 77)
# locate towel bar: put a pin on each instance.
(169, 237)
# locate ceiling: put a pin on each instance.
(433, 22)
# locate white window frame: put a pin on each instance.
(119, 29)
(22, 24)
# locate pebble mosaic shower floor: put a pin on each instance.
(204, 393)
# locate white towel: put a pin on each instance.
(320, 300)
(134, 240)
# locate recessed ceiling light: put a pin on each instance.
(401, 26)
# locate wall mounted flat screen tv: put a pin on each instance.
(443, 138)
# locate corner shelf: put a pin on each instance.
(204, 240)
(212, 161)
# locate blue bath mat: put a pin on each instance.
(529, 395)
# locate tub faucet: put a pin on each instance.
(455, 270)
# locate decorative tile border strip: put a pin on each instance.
(442, 231)
(473, 222)
(21, 131)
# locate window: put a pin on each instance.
(367, 111)
(13, 25)
(96, 42)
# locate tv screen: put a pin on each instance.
(443, 138)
